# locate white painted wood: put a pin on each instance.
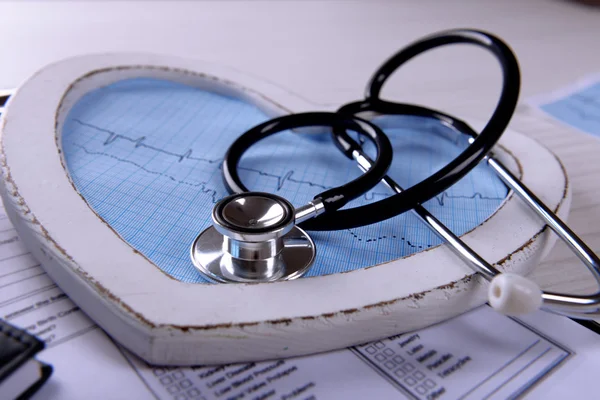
(166, 321)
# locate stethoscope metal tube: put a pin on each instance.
(456, 244)
(509, 293)
(461, 249)
(581, 307)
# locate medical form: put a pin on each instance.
(480, 354)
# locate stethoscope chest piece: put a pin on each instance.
(253, 239)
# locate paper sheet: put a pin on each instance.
(480, 354)
(576, 105)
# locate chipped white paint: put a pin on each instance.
(169, 322)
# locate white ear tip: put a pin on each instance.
(512, 294)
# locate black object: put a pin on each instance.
(591, 325)
(335, 198)
(17, 349)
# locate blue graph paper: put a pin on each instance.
(146, 155)
(580, 109)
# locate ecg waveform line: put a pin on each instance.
(281, 179)
(200, 185)
(287, 177)
(139, 142)
(383, 237)
(187, 155)
(213, 193)
(441, 198)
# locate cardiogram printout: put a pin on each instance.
(146, 155)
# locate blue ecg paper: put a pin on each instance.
(146, 156)
(580, 108)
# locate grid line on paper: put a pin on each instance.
(146, 154)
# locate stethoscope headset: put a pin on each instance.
(260, 237)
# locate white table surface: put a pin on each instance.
(326, 51)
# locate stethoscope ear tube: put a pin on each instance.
(457, 168)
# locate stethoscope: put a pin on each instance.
(255, 236)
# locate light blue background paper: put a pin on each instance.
(146, 156)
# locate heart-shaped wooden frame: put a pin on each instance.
(168, 322)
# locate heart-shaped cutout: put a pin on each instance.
(146, 156)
